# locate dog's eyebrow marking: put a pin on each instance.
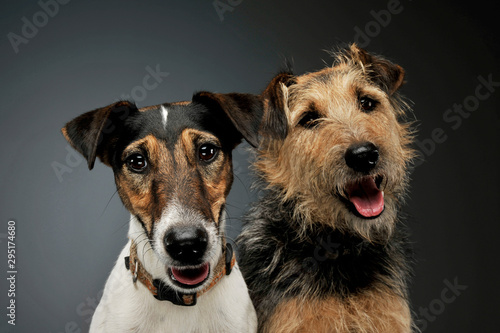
(164, 115)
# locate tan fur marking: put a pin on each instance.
(181, 103)
(207, 193)
(135, 189)
(217, 174)
(377, 310)
(147, 108)
(154, 107)
(65, 134)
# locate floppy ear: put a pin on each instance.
(275, 121)
(255, 117)
(387, 75)
(93, 133)
(244, 111)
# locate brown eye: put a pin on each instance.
(136, 162)
(207, 152)
(308, 119)
(367, 104)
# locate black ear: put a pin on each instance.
(387, 75)
(92, 133)
(275, 121)
(244, 111)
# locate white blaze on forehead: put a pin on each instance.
(164, 115)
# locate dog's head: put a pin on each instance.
(173, 170)
(333, 142)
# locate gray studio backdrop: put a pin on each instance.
(60, 58)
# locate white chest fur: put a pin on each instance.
(129, 307)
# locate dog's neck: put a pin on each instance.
(323, 254)
(163, 292)
(282, 212)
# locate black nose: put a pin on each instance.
(362, 157)
(186, 244)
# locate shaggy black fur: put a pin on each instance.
(277, 263)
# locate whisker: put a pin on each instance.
(109, 201)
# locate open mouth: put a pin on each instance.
(365, 197)
(189, 277)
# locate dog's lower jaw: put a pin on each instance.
(338, 215)
(130, 307)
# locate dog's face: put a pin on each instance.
(343, 154)
(173, 171)
(174, 179)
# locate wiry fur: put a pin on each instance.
(301, 247)
(338, 315)
(283, 264)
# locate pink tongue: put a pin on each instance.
(367, 198)
(191, 276)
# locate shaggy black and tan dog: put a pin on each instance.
(323, 249)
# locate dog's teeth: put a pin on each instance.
(383, 194)
(173, 277)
